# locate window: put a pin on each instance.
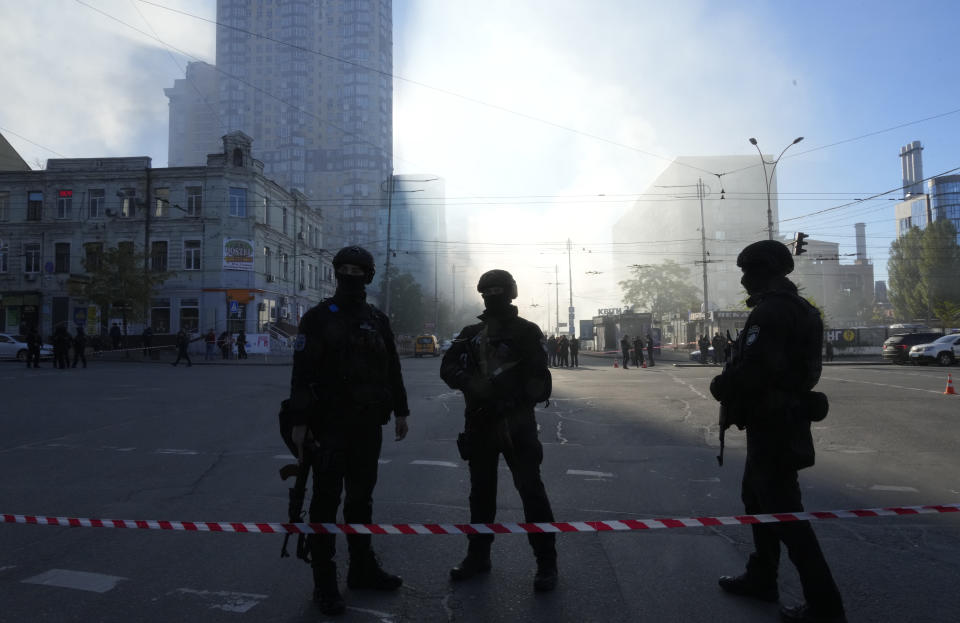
(61, 257)
(126, 209)
(34, 205)
(126, 247)
(190, 315)
(31, 257)
(266, 210)
(158, 255)
(267, 262)
(284, 266)
(4, 254)
(238, 202)
(64, 203)
(97, 197)
(4, 206)
(191, 255)
(284, 220)
(163, 201)
(194, 200)
(160, 315)
(302, 275)
(92, 253)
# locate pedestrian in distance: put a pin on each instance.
(650, 349)
(242, 344)
(500, 366)
(564, 350)
(61, 347)
(183, 342)
(767, 388)
(116, 336)
(552, 350)
(147, 338)
(210, 341)
(625, 350)
(574, 352)
(346, 382)
(637, 351)
(80, 347)
(34, 344)
(718, 344)
(222, 345)
(829, 349)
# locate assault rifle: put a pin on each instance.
(295, 504)
(724, 425)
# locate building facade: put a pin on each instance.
(665, 224)
(195, 122)
(241, 251)
(925, 201)
(311, 82)
(418, 232)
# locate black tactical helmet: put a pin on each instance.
(357, 256)
(767, 258)
(498, 278)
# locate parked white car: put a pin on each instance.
(13, 348)
(945, 351)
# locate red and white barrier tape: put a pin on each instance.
(483, 528)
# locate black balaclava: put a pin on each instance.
(497, 304)
(351, 288)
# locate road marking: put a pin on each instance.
(436, 463)
(80, 580)
(916, 389)
(385, 617)
(231, 602)
(284, 457)
(714, 479)
(8, 567)
(177, 451)
(892, 488)
(585, 472)
(383, 461)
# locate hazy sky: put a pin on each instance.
(531, 110)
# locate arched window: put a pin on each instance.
(237, 157)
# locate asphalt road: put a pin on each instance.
(148, 441)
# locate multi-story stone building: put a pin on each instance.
(311, 83)
(242, 252)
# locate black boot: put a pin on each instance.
(547, 576)
(325, 591)
(476, 562)
(747, 586)
(366, 572)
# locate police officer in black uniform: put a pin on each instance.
(346, 381)
(34, 343)
(766, 387)
(500, 365)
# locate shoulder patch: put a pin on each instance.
(333, 307)
(300, 343)
(752, 334)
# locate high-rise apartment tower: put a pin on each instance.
(310, 82)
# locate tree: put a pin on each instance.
(661, 289)
(923, 269)
(408, 311)
(117, 282)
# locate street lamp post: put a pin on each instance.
(768, 179)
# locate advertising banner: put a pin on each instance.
(237, 254)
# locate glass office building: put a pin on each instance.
(945, 199)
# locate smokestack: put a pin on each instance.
(912, 164)
(861, 229)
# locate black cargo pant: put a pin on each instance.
(346, 461)
(769, 489)
(514, 436)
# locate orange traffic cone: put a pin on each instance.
(616, 363)
(949, 389)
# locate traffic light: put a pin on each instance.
(799, 242)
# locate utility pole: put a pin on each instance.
(703, 244)
(556, 283)
(570, 277)
(386, 270)
(436, 290)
